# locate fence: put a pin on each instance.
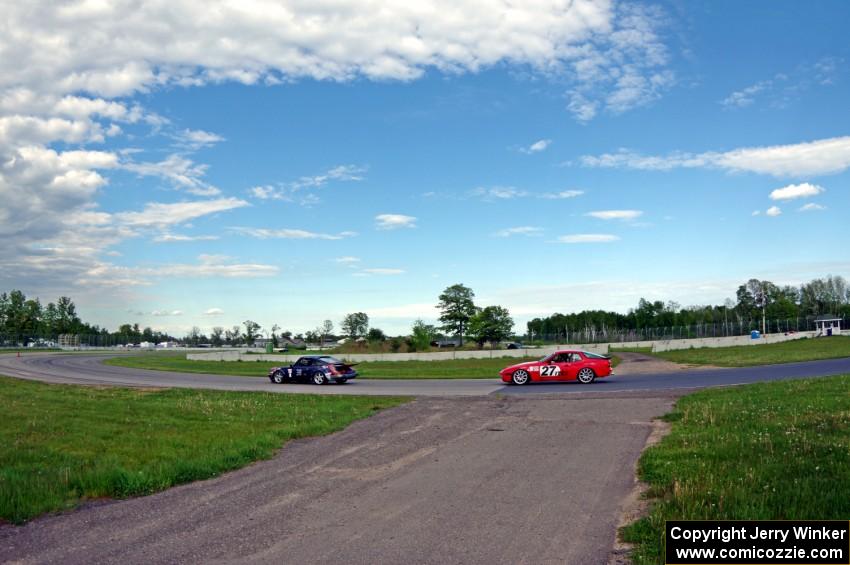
(713, 330)
(66, 340)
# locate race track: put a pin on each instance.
(90, 370)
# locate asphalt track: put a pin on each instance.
(90, 370)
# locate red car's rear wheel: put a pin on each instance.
(586, 375)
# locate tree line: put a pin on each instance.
(24, 319)
(759, 301)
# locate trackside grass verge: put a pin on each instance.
(810, 349)
(449, 369)
(770, 451)
(61, 445)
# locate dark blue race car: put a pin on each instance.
(316, 369)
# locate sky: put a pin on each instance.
(200, 163)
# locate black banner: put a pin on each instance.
(757, 542)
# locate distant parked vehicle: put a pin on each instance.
(513, 345)
(316, 369)
(568, 365)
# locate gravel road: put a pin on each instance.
(439, 480)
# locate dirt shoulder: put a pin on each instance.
(642, 364)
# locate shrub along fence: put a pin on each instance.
(697, 331)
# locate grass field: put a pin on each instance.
(449, 369)
(764, 451)
(61, 445)
(748, 355)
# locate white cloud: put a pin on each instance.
(159, 214)
(821, 157)
(812, 207)
(627, 70)
(510, 192)
(564, 194)
(162, 313)
(348, 260)
(213, 312)
(756, 213)
(288, 233)
(615, 214)
(522, 230)
(537, 146)
(773, 211)
(293, 191)
(745, 96)
(180, 171)
(113, 50)
(588, 238)
(792, 191)
(394, 221)
(499, 193)
(783, 88)
(174, 238)
(197, 138)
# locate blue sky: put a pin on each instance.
(203, 164)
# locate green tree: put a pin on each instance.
(252, 331)
(355, 325)
(376, 334)
(215, 336)
(423, 334)
(457, 308)
(492, 324)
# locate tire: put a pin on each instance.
(586, 376)
(277, 378)
(520, 377)
(319, 378)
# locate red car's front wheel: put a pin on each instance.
(520, 377)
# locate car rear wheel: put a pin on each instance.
(319, 378)
(277, 378)
(520, 377)
(586, 376)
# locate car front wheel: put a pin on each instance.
(277, 378)
(520, 377)
(586, 376)
(319, 378)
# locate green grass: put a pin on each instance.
(61, 445)
(748, 355)
(449, 369)
(778, 451)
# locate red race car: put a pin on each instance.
(567, 365)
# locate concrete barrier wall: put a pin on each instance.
(673, 344)
(429, 356)
(602, 348)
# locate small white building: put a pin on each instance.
(147, 345)
(827, 325)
